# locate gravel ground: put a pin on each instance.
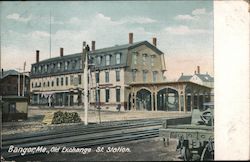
(36, 115)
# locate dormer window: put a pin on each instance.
(45, 68)
(39, 68)
(73, 64)
(34, 69)
(98, 60)
(107, 59)
(66, 65)
(118, 58)
(58, 66)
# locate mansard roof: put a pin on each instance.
(113, 49)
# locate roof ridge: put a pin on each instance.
(96, 51)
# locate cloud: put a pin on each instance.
(184, 30)
(100, 16)
(17, 17)
(53, 21)
(185, 17)
(125, 20)
(199, 11)
(138, 20)
(39, 34)
(195, 15)
(74, 20)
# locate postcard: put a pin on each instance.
(121, 80)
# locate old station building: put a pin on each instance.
(130, 75)
(14, 95)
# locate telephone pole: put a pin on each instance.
(24, 76)
(85, 80)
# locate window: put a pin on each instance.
(12, 107)
(74, 64)
(97, 97)
(144, 58)
(152, 60)
(61, 80)
(106, 76)
(117, 74)
(97, 79)
(52, 83)
(154, 76)
(144, 76)
(43, 84)
(57, 81)
(79, 79)
(66, 65)
(48, 84)
(107, 59)
(45, 68)
(98, 60)
(71, 79)
(66, 81)
(133, 75)
(134, 58)
(80, 64)
(34, 69)
(58, 66)
(118, 98)
(107, 95)
(118, 58)
(53, 67)
(39, 69)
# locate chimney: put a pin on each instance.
(93, 45)
(83, 43)
(2, 73)
(195, 72)
(198, 69)
(130, 39)
(154, 41)
(181, 74)
(61, 52)
(37, 56)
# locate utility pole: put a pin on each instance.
(98, 101)
(85, 80)
(24, 76)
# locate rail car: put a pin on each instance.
(14, 108)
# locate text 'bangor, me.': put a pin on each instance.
(55, 149)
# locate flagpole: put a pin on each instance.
(50, 34)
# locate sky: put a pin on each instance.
(184, 30)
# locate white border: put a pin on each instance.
(231, 63)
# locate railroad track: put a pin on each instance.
(83, 136)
